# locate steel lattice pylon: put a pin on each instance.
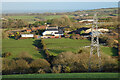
(95, 48)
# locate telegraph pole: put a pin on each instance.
(95, 47)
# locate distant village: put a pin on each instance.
(55, 31)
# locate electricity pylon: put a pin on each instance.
(95, 48)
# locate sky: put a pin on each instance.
(41, 7)
(60, 0)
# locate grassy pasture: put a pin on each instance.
(65, 75)
(22, 17)
(33, 17)
(55, 16)
(56, 46)
(18, 46)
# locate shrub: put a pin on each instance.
(41, 71)
(26, 56)
(40, 64)
(8, 66)
(56, 69)
(4, 34)
(76, 36)
(81, 32)
(6, 54)
(67, 69)
(17, 35)
(80, 62)
(22, 66)
(106, 39)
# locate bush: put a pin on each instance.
(76, 36)
(56, 69)
(67, 69)
(26, 56)
(40, 64)
(17, 35)
(106, 39)
(79, 62)
(8, 66)
(4, 34)
(22, 66)
(41, 71)
(6, 54)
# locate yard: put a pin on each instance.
(56, 46)
(15, 47)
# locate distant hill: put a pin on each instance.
(102, 11)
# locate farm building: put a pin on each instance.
(55, 31)
(101, 30)
(87, 21)
(27, 35)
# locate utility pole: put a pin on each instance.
(95, 47)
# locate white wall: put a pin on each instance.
(27, 35)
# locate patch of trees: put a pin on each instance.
(109, 41)
(24, 64)
(71, 62)
(65, 62)
(76, 36)
(38, 23)
(14, 23)
(4, 34)
(62, 22)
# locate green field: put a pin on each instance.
(65, 75)
(22, 17)
(18, 46)
(56, 46)
(110, 51)
(33, 17)
(55, 16)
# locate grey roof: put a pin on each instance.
(52, 30)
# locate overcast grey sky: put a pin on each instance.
(60, 0)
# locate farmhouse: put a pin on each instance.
(27, 35)
(54, 31)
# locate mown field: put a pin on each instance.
(56, 46)
(15, 47)
(65, 75)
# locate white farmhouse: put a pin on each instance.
(53, 31)
(27, 35)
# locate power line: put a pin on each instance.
(95, 47)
